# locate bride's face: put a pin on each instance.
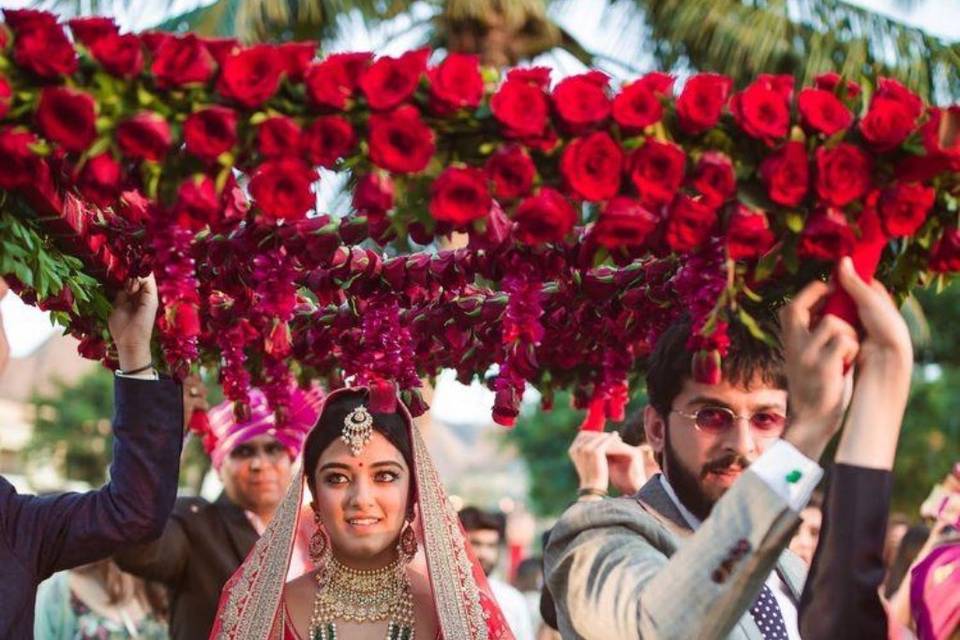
(362, 500)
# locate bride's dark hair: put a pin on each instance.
(329, 427)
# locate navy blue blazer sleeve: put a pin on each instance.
(841, 598)
(53, 533)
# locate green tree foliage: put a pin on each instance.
(72, 428)
(930, 440)
(742, 38)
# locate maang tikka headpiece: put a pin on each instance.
(357, 429)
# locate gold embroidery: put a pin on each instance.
(451, 573)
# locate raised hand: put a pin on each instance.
(817, 353)
(131, 322)
(588, 454)
(884, 365)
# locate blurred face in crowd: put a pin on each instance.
(804, 541)
(486, 546)
(362, 500)
(256, 474)
(704, 447)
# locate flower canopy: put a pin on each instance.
(593, 216)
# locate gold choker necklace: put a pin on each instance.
(351, 595)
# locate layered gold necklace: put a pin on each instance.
(362, 596)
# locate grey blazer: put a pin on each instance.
(629, 568)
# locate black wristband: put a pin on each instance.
(135, 371)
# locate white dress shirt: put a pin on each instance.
(773, 467)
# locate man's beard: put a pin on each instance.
(688, 485)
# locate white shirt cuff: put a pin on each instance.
(791, 474)
(146, 375)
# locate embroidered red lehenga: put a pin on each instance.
(251, 606)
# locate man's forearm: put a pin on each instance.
(135, 505)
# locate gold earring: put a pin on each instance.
(319, 544)
(407, 544)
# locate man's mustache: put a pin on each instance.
(724, 463)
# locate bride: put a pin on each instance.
(391, 562)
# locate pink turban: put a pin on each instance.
(225, 434)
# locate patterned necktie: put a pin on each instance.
(766, 613)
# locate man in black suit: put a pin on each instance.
(42, 535)
(841, 598)
(204, 543)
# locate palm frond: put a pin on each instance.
(804, 37)
(281, 20)
(120, 9)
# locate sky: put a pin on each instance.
(27, 327)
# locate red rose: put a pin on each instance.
(887, 123)
(185, 322)
(145, 136)
(197, 202)
(182, 60)
(281, 188)
(762, 110)
(327, 139)
(748, 234)
(459, 195)
(592, 165)
(786, 172)
(659, 83)
(714, 178)
(512, 171)
(904, 207)
(20, 163)
(581, 101)
(99, 181)
(373, 194)
(636, 107)
(657, 170)
(890, 89)
(400, 141)
(67, 117)
(936, 144)
(121, 56)
(689, 223)
(19, 19)
(278, 136)
(220, 48)
(831, 80)
(390, 81)
(823, 112)
(296, 58)
(5, 94)
(44, 49)
(251, 76)
(826, 236)
(331, 82)
(843, 174)
(89, 29)
(520, 105)
(624, 222)
(545, 217)
(210, 131)
(153, 40)
(701, 103)
(456, 83)
(945, 254)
